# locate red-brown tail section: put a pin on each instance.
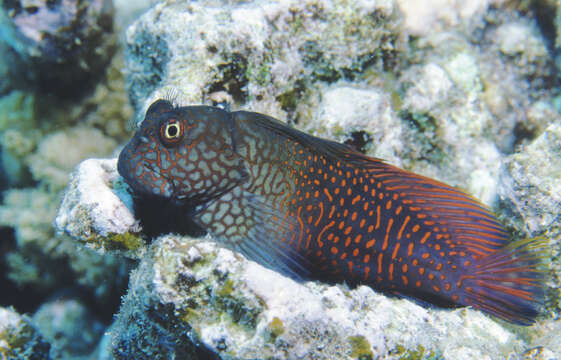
(508, 283)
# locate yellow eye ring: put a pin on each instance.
(171, 131)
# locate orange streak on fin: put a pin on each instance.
(508, 283)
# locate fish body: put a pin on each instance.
(316, 209)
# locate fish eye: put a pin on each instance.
(171, 131)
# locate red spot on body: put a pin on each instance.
(326, 192)
(386, 237)
(358, 238)
(425, 237)
(395, 250)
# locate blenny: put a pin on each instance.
(316, 209)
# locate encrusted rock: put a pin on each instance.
(58, 47)
(69, 327)
(265, 55)
(531, 184)
(530, 190)
(94, 213)
(20, 339)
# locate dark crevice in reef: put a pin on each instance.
(523, 132)
(24, 299)
(545, 18)
(160, 216)
(360, 140)
(232, 78)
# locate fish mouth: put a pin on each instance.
(141, 188)
(169, 187)
(164, 187)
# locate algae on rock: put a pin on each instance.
(264, 54)
(20, 339)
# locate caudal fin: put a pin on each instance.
(509, 283)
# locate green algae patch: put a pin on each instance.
(361, 348)
(125, 241)
(231, 302)
(275, 328)
(226, 289)
(419, 354)
(259, 74)
(19, 339)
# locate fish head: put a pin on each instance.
(185, 154)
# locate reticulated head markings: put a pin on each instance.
(183, 153)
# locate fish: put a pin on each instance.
(315, 209)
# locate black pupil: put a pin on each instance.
(172, 130)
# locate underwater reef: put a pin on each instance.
(464, 92)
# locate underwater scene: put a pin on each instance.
(293, 179)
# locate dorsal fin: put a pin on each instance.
(330, 149)
(472, 226)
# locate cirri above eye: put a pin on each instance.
(171, 131)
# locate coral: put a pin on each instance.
(52, 161)
(42, 256)
(18, 135)
(345, 110)
(466, 105)
(92, 212)
(18, 111)
(108, 106)
(69, 327)
(530, 198)
(429, 16)
(530, 188)
(558, 25)
(264, 55)
(57, 47)
(31, 212)
(20, 339)
(42, 139)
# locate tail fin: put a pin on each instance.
(509, 283)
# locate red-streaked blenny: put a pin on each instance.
(314, 208)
